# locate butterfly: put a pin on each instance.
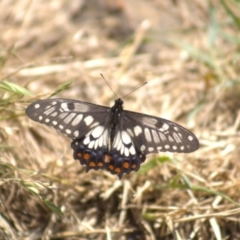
(113, 139)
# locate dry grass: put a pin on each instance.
(188, 51)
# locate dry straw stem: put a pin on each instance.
(187, 51)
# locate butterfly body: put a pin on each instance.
(116, 111)
(111, 138)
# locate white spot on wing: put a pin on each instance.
(97, 131)
(54, 123)
(142, 148)
(164, 127)
(166, 146)
(54, 114)
(122, 149)
(77, 120)
(95, 124)
(76, 133)
(63, 115)
(150, 121)
(91, 144)
(176, 128)
(170, 139)
(137, 130)
(162, 136)
(80, 107)
(155, 136)
(96, 144)
(100, 141)
(147, 135)
(68, 131)
(130, 132)
(190, 138)
(176, 137)
(88, 120)
(37, 105)
(50, 110)
(47, 120)
(126, 152)
(105, 138)
(125, 137)
(132, 150)
(159, 148)
(117, 141)
(40, 118)
(86, 141)
(150, 149)
(65, 107)
(119, 146)
(69, 118)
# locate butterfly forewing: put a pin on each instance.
(111, 138)
(151, 134)
(73, 118)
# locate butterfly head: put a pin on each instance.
(119, 102)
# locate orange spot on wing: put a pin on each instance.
(117, 170)
(92, 164)
(100, 164)
(79, 155)
(86, 156)
(126, 164)
(110, 167)
(134, 166)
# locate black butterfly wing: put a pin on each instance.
(87, 124)
(73, 118)
(138, 134)
(152, 134)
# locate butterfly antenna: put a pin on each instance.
(109, 85)
(134, 90)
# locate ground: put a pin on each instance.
(187, 51)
